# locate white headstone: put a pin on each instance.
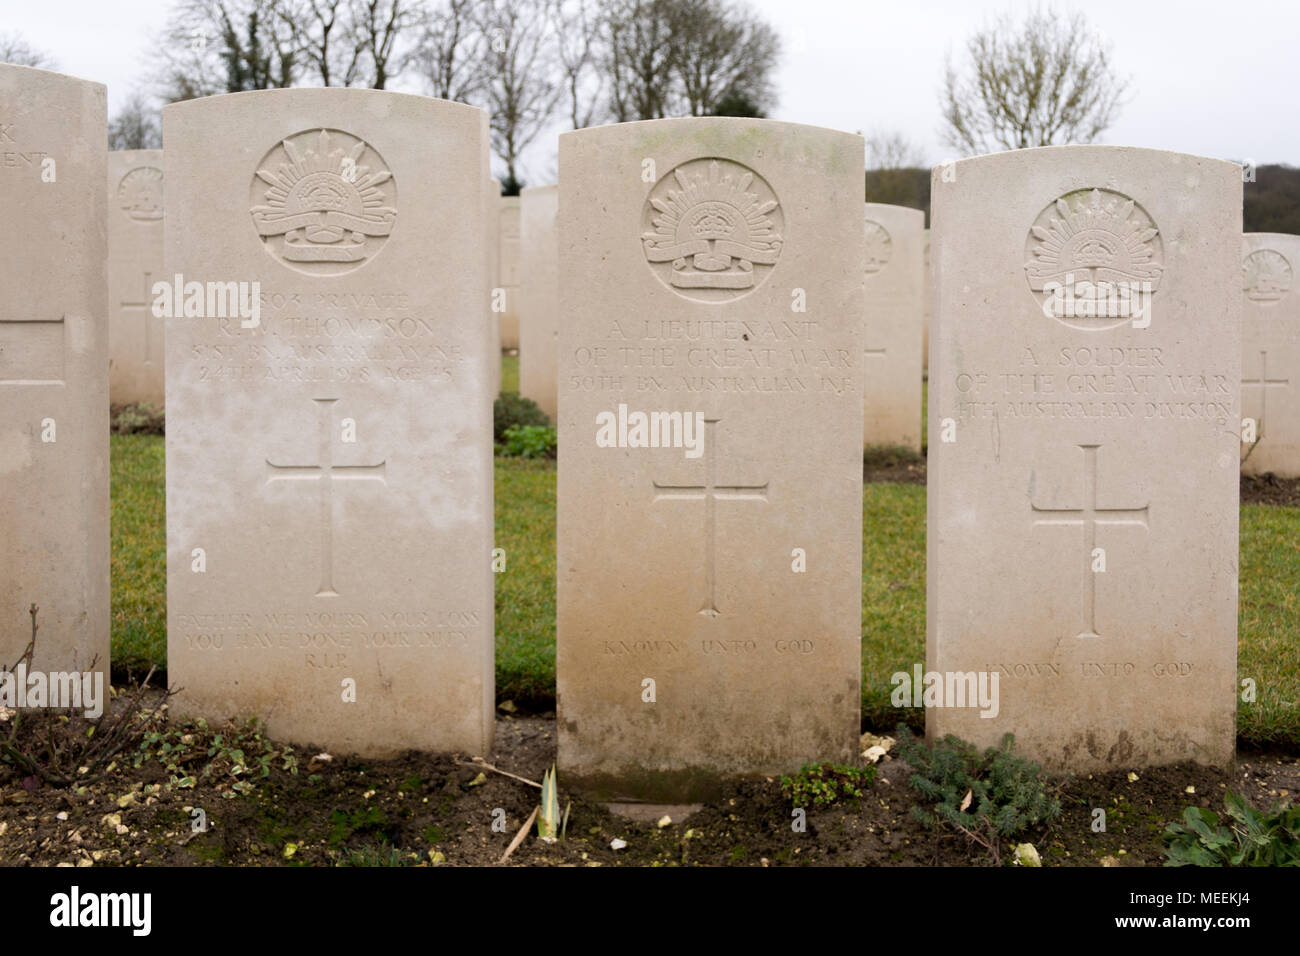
(329, 466)
(135, 263)
(892, 363)
(54, 544)
(709, 590)
(1270, 360)
(1083, 489)
(509, 266)
(539, 296)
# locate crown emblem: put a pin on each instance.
(713, 228)
(880, 247)
(140, 194)
(324, 205)
(1266, 275)
(1099, 247)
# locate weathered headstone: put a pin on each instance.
(709, 585)
(1270, 359)
(493, 244)
(135, 263)
(539, 296)
(925, 296)
(54, 546)
(892, 364)
(329, 470)
(1082, 538)
(508, 266)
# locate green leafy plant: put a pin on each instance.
(1250, 838)
(510, 410)
(137, 419)
(990, 797)
(381, 855)
(191, 750)
(821, 785)
(530, 441)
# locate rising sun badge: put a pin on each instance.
(1096, 257)
(324, 202)
(712, 229)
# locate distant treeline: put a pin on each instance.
(1272, 201)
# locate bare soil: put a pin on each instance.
(440, 809)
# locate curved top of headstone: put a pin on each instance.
(887, 208)
(30, 75)
(1077, 152)
(1260, 237)
(1270, 262)
(675, 125)
(1091, 219)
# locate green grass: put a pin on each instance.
(893, 589)
(1268, 650)
(893, 594)
(139, 553)
(525, 592)
(509, 373)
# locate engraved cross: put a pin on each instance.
(1088, 517)
(1264, 383)
(326, 472)
(710, 492)
(145, 303)
(31, 351)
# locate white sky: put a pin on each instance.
(1219, 78)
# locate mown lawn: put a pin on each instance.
(893, 589)
(509, 373)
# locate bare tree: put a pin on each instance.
(721, 51)
(323, 32)
(216, 46)
(450, 52)
(1044, 82)
(891, 150)
(521, 89)
(135, 126)
(574, 23)
(377, 28)
(14, 49)
(637, 39)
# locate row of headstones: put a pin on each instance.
(525, 270)
(525, 283)
(135, 263)
(329, 459)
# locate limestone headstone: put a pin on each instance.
(1082, 538)
(539, 296)
(925, 296)
(709, 585)
(54, 547)
(329, 462)
(892, 363)
(493, 244)
(135, 263)
(1270, 360)
(509, 270)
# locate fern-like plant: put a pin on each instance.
(990, 797)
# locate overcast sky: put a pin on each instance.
(1213, 78)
